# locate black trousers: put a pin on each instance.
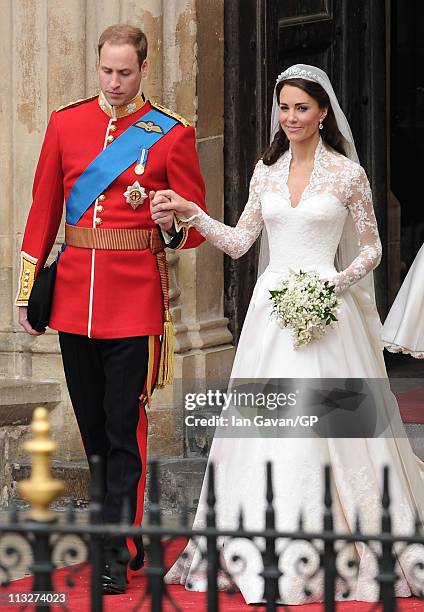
(105, 379)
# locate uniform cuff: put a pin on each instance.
(26, 278)
(180, 237)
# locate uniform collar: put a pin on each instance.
(116, 112)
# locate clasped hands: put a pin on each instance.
(165, 203)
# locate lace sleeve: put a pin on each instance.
(360, 207)
(235, 241)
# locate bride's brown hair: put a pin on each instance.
(330, 132)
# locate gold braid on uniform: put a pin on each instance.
(166, 362)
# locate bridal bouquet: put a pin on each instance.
(305, 305)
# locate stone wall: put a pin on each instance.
(48, 58)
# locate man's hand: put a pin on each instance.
(23, 320)
(164, 203)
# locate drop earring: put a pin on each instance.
(320, 125)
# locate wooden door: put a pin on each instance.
(262, 38)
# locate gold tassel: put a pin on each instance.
(166, 363)
(150, 364)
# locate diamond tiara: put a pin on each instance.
(295, 71)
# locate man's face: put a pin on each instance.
(120, 73)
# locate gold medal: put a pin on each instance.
(139, 169)
(135, 195)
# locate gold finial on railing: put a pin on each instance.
(40, 489)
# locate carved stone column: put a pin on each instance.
(193, 84)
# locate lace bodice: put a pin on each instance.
(308, 235)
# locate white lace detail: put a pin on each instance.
(362, 211)
(334, 177)
(235, 241)
(395, 348)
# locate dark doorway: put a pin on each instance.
(407, 122)
(262, 38)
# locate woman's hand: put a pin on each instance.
(164, 203)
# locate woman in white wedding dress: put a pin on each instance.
(314, 202)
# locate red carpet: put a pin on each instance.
(79, 595)
(411, 405)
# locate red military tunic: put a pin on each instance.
(105, 293)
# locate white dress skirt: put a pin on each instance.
(403, 329)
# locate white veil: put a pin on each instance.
(363, 291)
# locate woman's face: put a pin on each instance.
(300, 114)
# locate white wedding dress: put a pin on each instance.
(305, 237)
(403, 329)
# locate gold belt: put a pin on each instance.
(114, 238)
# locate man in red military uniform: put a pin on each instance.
(110, 301)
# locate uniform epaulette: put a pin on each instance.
(170, 113)
(75, 103)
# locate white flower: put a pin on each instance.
(305, 305)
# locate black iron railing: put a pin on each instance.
(322, 561)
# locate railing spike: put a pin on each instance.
(269, 487)
(386, 491)
(357, 521)
(211, 499)
(241, 519)
(417, 523)
(211, 551)
(328, 500)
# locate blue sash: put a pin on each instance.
(113, 160)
